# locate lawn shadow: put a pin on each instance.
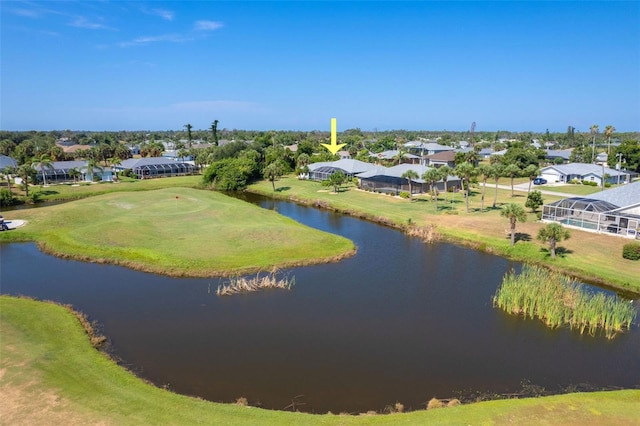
(520, 236)
(47, 192)
(283, 188)
(560, 251)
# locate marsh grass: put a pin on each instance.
(247, 285)
(557, 300)
(429, 234)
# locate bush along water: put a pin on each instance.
(557, 300)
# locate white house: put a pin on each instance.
(582, 172)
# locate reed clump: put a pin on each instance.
(429, 234)
(557, 300)
(259, 282)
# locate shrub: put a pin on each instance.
(534, 200)
(6, 197)
(631, 251)
(592, 183)
(607, 184)
(404, 194)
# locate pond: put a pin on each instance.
(401, 321)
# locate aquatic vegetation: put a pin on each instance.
(247, 285)
(557, 300)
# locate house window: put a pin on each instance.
(591, 177)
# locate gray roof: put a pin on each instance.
(7, 162)
(563, 153)
(391, 154)
(622, 196)
(428, 146)
(582, 169)
(398, 171)
(130, 163)
(348, 165)
(65, 165)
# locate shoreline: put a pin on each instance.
(449, 238)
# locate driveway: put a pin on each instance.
(524, 187)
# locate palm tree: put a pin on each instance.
(511, 171)
(43, 163)
(25, 171)
(496, 173)
(74, 173)
(214, 132)
(189, 135)
(8, 171)
(608, 131)
(433, 176)
(553, 233)
(465, 171)
(532, 171)
(515, 213)
(409, 175)
(485, 171)
(594, 131)
(93, 165)
(445, 171)
(397, 159)
(273, 171)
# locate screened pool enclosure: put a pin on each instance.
(594, 215)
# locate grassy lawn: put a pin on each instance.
(589, 256)
(83, 190)
(573, 189)
(50, 374)
(175, 231)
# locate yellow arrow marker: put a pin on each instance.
(334, 147)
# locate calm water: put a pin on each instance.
(401, 321)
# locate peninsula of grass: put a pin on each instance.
(177, 232)
(590, 257)
(50, 374)
(557, 300)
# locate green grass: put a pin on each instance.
(176, 231)
(52, 375)
(573, 189)
(588, 256)
(557, 300)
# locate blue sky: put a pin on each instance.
(520, 66)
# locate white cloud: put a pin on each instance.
(207, 25)
(165, 14)
(29, 13)
(140, 41)
(82, 22)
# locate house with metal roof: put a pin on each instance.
(153, 167)
(392, 154)
(390, 180)
(426, 148)
(614, 211)
(323, 170)
(583, 172)
(6, 161)
(72, 171)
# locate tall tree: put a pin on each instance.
(511, 171)
(515, 213)
(189, 134)
(445, 171)
(410, 175)
(594, 129)
(273, 171)
(432, 176)
(43, 163)
(214, 132)
(608, 131)
(25, 172)
(485, 172)
(496, 173)
(532, 172)
(465, 171)
(553, 233)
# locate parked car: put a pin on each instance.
(539, 181)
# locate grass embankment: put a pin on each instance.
(578, 190)
(68, 191)
(176, 231)
(50, 374)
(587, 256)
(557, 300)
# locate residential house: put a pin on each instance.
(390, 180)
(444, 158)
(71, 171)
(583, 172)
(6, 161)
(153, 167)
(323, 170)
